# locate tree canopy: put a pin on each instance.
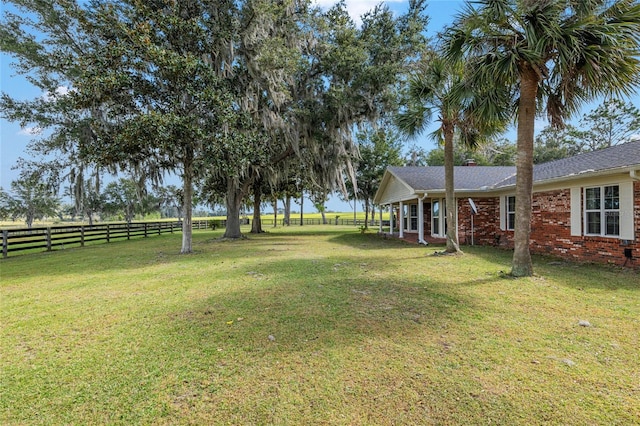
(224, 93)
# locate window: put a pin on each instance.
(438, 218)
(602, 210)
(435, 217)
(413, 217)
(510, 211)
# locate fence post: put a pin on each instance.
(82, 236)
(5, 242)
(159, 227)
(108, 236)
(49, 239)
(145, 229)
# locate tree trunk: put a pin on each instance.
(521, 264)
(451, 207)
(324, 217)
(275, 212)
(301, 208)
(366, 213)
(287, 210)
(373, 215)
(233, 201)
(187, 202)
(256, 226)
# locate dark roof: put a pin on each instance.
(465, 177)
(618, 156)
(487, 177)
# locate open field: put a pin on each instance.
(313, 325)
(19, 223)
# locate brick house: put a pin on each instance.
(585, 208)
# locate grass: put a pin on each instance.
(313, 325)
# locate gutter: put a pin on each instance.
(581, 174)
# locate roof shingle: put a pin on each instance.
(431, 178)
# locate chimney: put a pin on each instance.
(470, 162)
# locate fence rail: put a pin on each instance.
(318, 221)
(60, 237)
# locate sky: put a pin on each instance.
(14, 139)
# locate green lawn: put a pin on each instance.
(313, 325)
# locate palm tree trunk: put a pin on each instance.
(451, 205)
(521, 265)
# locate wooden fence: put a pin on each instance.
(60, 237)
(318, 221)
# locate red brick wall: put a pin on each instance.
(551, 232)
(550, 229)
(486, 224)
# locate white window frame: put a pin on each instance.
(509, 215)
(504, 214)
(413, 217)
(438, 231)
(602, 211)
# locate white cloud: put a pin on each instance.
(60, 91)
(356, 8)
(30, 131)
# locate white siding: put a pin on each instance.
(395, 191)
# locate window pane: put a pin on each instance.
(511, 204)
(593, 198)
(436, 226)
(593, 223)
(611, 197)
(511, 221)
(612, 220)
(414, 223)
(436, 209)
(414, 209)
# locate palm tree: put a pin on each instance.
(553, 55)
(438, 86)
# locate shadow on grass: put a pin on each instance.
(373, 242)
(327, 306)
(569, 274)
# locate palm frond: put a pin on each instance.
(413, 120)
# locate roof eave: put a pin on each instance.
(588, 174)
